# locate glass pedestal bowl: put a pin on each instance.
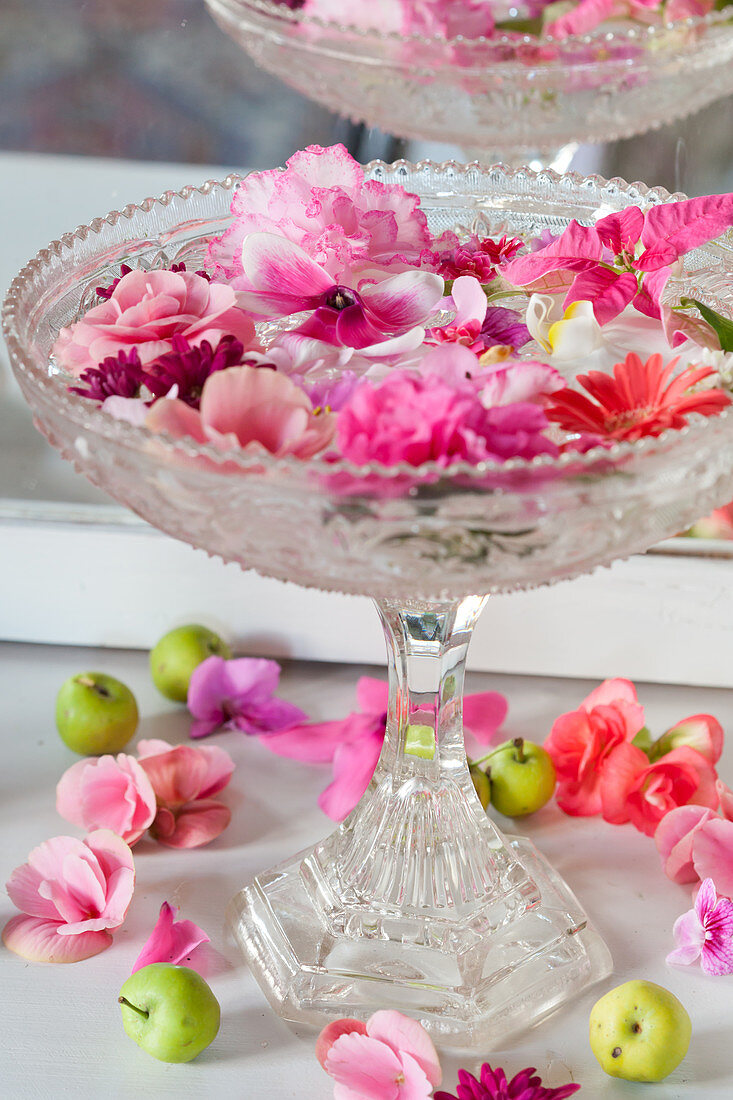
(512, 98)
(416, 901)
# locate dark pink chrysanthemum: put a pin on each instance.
(188, 367)
(119, 375)
(493, 1085)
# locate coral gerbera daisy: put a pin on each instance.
(638, 399)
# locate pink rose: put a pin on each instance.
(581, 742)
(184, 778)
(249, 407)
(71, 894)
(146, 310)
(107, 793)
(634, 790)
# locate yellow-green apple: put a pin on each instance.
(178, 653)
(639, 1031)
(481, 783)
(95, 714)
(522, 777)
(169, 1011)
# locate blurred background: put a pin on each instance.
(158, 81)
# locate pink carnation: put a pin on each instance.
(146, 310)
(322, 203)
(111, 792)
(251, 408)
(415, 419)
(72, 894)
(184, 779)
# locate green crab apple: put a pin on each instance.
(639, 1031)
(522, 777)
(178, 653)
(95, 714)
(169, 1011)
(481, 784)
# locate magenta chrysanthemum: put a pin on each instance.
(119, 375)
(188, 367)
(493, 1085)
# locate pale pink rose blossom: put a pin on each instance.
(145, 310)
(72, 895)
(251, 408)
(110, 792)
(171, 941)
(390, 1057)
(184, 779)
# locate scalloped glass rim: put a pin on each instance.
(90, 415)
(639, 32)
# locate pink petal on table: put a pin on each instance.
(372, 695)
(674, 838)
(196, 824)
(483, 713)
(332, 1031)
(38, 940)
(314, 744)
(404, 300)
(171, 941)
(407, 1036)
(353, 767)
(280, 268)
(712, 854)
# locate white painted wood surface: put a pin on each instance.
(61, 1030)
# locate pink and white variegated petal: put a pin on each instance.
(404, 300)
(277, 267)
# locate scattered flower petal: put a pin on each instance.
(171, 941)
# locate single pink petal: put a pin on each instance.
(364, 1068)
(407, 1036)
(175, 418)
(579, 248)
(280, 268)
(403, 300)
(712, 854)
(483, 714)
(674, 837)
(372, 695)
(196, 824)
(23, 886)
(672, 229)
(38, 940)
(332, 1031)
(621, 230)
(353, 768)
(609, 292)
(171, 941)
(469, 299)
(314, 744)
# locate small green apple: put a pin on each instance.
(95, 714)
(639, 1031)
(169, 1011)
(481, 783)
(178, 653)
(522, 777)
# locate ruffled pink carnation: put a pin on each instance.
(72, 894)
(110, 792)
(322, 203)
(415, 419)
(146, 310)
(251, 408)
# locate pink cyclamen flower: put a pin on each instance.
(171, 941)
(696, 843)
(705, 932)
(145, 311)
(390, 1057)
(184, 779)
(110, 792)
(492, 1084)
(259, 411)
(581, 741)
(322, 203)
(238, 694)
(632, 789)
(72, 894)
(353, 744)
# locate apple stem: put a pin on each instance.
(87, 682)
(518, 743)
(140, 1011)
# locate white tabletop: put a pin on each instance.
(62, 1034)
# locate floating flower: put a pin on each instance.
(145, 310)
(493, 1085)
(171, 941)
(390, 1057)
(322, 203)
(237, 694)
(110, 792)
(478, 256)
(353, 744)
(705, 933)
(184, 778)
(187, 367)
(581, 742)
(249, 408)
(639, 399)
(72, 895)
(634, 790)
(120, 375)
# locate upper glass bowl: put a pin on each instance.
(505, 95)
(403, 533)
